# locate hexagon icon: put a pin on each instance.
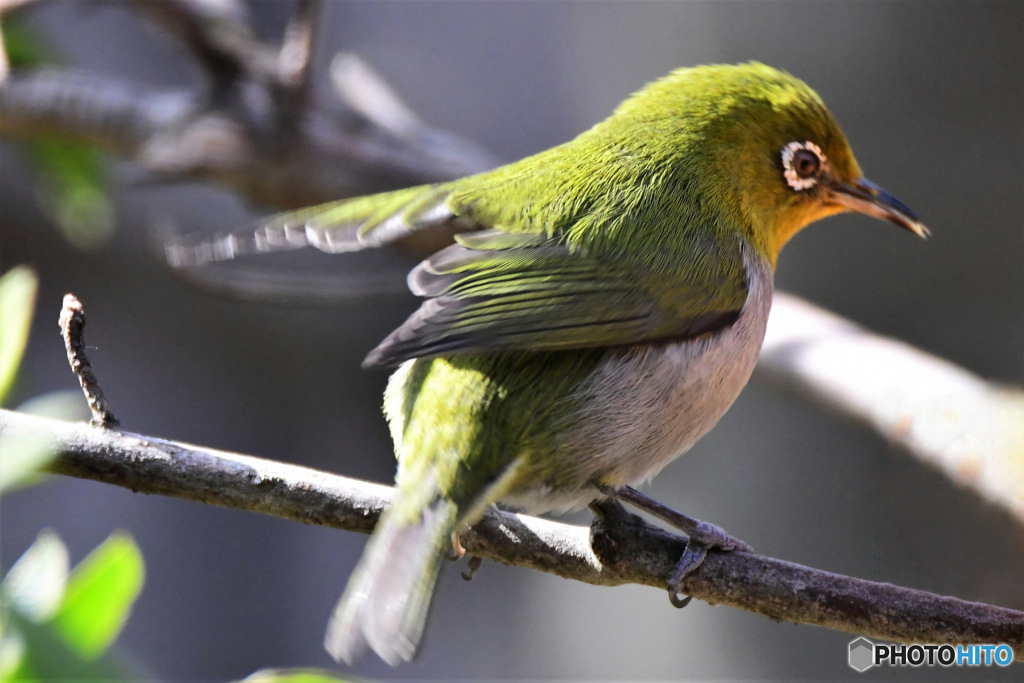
(862, 654)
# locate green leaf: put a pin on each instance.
(18, 289)
(12, 650)
(66, 405)
(31, 592)
(23, 454)
(37, 653)
(25, 48)
(49, 622)
(100, 595)
(35, 586)
(73, 191)
(292, 676)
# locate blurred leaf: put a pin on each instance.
(64, 404)
(24, 48)
(25, 455)
(73, 190)
(42, 655)
(99, 596)
(292, 676)
(54, 626)
(35, 585)
(12, 649)
(18, 288)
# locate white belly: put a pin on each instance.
(647, 405)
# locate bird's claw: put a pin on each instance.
(471, 567)
(704, 536)
(692, 558)
(458, 551)
(678, 600)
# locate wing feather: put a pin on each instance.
(500, 291)
(336, 227)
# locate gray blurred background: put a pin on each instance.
(930, 95)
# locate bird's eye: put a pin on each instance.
(805, 163)
(801, 164)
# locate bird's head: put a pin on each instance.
(769, 147)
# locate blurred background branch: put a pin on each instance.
(256, 130)
(969, 429)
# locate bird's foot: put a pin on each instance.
(703, 537)
(610, 519)
(610, 511)
(472, 567)
(458, 552)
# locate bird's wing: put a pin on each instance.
(418, 218)
(496, 290)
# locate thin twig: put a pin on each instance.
(362, 88)
(217, 34)
(637, 553)
(295, 59)
(72, 322)
(5, 63)
(294, 84)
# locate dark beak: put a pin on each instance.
(863, 196)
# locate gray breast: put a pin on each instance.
(648, 404)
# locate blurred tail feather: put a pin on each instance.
(387, 599)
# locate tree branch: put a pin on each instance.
(637, 553)
(295, 60)
(217, 34)
(946, 417)
(111, 113)
(173, 134)
(259, 130)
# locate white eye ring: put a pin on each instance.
(793, 179)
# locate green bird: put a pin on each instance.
(601, 307)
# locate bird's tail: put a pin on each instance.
(385, 604)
